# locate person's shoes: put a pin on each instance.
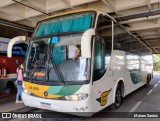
(20, 101)
(17, 101)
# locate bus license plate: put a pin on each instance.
(45, 105)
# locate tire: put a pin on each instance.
(118, 98)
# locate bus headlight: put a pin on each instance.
(76, 97)
(26, 91)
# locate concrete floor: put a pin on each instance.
(141, 100)
(9, 105)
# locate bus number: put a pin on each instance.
(34, 88)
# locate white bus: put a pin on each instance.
(111, 63)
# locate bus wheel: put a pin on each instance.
(118, 98)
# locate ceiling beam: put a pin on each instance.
(122, 5)
(59, 6)
(152, 36)
(156, 46)
(158, 29)
(153, 39)
(148, 44)
(6, 3)
(15, 25)
(139, 15)
(144, 40)
(155, 50)
(140, 41)
(32, 7)
(68, 2)
(107, 3)
(143, 25)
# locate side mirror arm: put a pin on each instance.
(15, 40)
(86, 43)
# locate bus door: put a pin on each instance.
(100, 88)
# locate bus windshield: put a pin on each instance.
(67, 23)
(53, 59)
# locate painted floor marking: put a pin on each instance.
(135, 106)
(139, 102)
(155, 85)
(149, 92)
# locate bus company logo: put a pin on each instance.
(46, 93)
(104, 97)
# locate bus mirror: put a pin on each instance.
(86, 43)
(15, 40)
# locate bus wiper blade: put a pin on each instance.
(57, 71)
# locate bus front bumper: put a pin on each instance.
(58, 105)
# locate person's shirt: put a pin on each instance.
(17, 70)
(20, 75)
(72, 51)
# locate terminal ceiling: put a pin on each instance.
(140, 17)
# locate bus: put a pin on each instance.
(111, 63)
(8, 67)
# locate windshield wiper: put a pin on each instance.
(57, 70)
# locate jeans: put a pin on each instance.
(19, 92)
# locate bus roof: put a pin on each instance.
(70, 12)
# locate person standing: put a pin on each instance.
(19, 82)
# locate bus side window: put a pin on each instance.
(99, 68)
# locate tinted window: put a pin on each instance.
(99, 68)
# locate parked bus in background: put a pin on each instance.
(18, 50)
(8, 67)
(111, 63)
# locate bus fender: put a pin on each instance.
(115, 87)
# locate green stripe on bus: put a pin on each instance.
(64, 90)
(54, 89)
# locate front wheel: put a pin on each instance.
(118, 98)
